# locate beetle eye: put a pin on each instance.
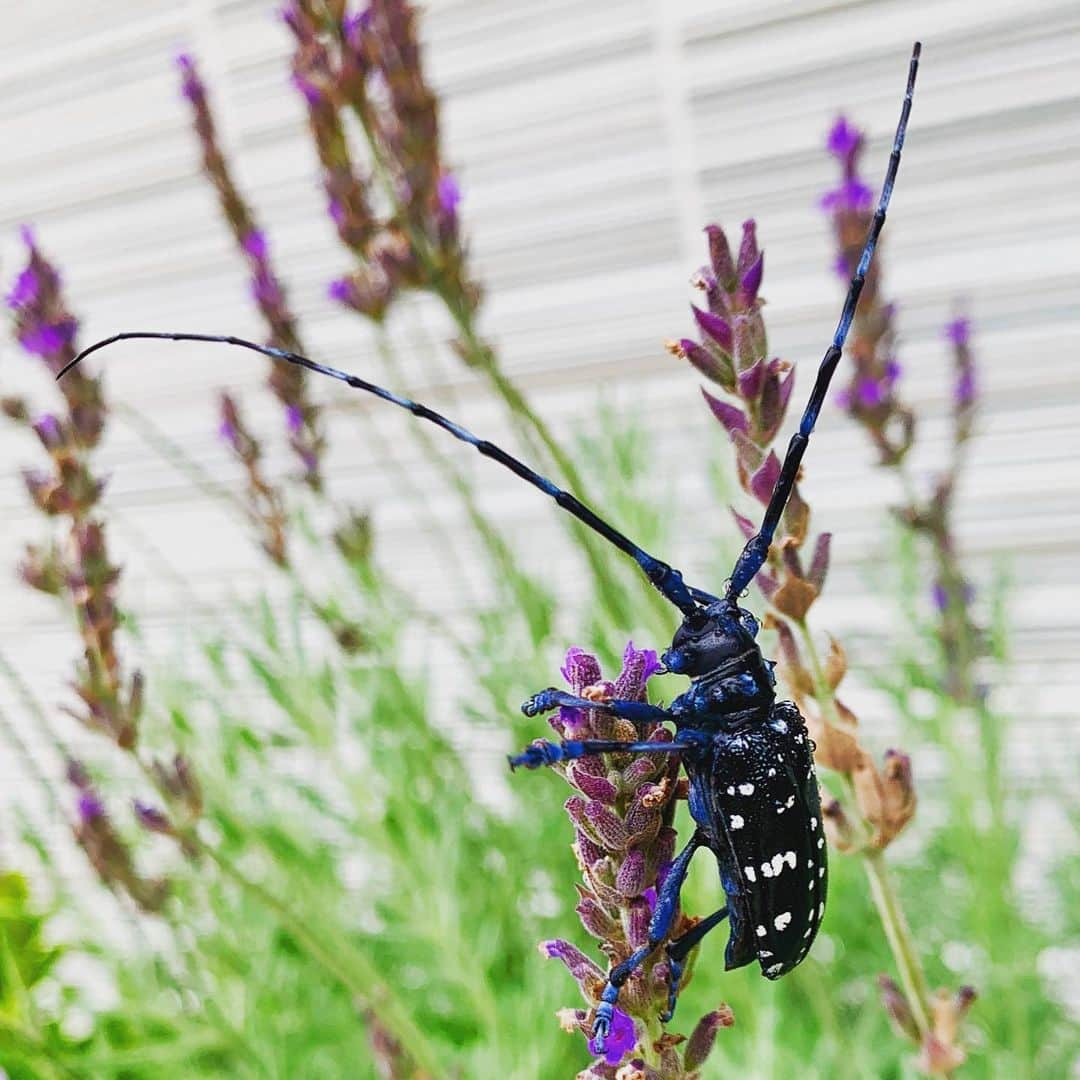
(697, 621)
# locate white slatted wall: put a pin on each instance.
(592, 142)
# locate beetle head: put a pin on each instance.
(710, 637)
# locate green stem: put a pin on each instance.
(898, 933)
(883, 892)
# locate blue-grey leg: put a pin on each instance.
(667, 903)
(547, 753)
(679, 949)
(639, 712)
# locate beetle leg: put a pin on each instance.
(639, 712)
(679, 949)
(667, 903)
(547, 753)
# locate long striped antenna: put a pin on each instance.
(756, 550)
(666, 579)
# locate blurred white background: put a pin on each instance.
(592, 143)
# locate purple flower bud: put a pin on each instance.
(190, 84)
(893, 371)
(90, 807)
(897, 1008)
(638, 666)
(622, 1038)
(254, 243)
(591, 785)
(448, 193)
(701, 1041)
(732, 418)
(353, 26)
(340, 290)
(870, 392)
(764, 480)
(312, 94)
(228, 433)
(607, 826)
(151, 818)
(46, 340)
(939, 596)
(49, 431)
(751, 380)
(748, 249)
(751, 280)
(720, 255)
(581, 968)
(336, 211)
(580, 669)
(843, 139)
(715, 328)
(294, 419)
(597, 922)
(631, 875)
(24, 290)
(819, 563)
(958, 331)
(964, 390)
(852, 194)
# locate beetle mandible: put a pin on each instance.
(753, 793)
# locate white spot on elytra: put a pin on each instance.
(789, 857)
(750, 874)
(737, 821)
(731, 791)
(821, 871)
(772, 772)
(766, 870)
(810, 884)
(782, 920)
(821, 841)
(813, 823)
(764, 954)
(810, 863)
(761, 931)
(821, 909)
(746, 789)
(774, 970)
(809, 931)
(790, 802)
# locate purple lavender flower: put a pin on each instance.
(46, 339)
(90, 807)
(964, 390)
(49, 431)
(448, 193)
(958, 332)
(871, 392)
(254, 243)
(190, 84)
(294, 419)
(227, 432)
(150, 817)
(312, 94)
(843, 139)
(340, 290)
(24, 290)
(852, 194)
(620, 1040)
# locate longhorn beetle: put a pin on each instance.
(753, 793)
